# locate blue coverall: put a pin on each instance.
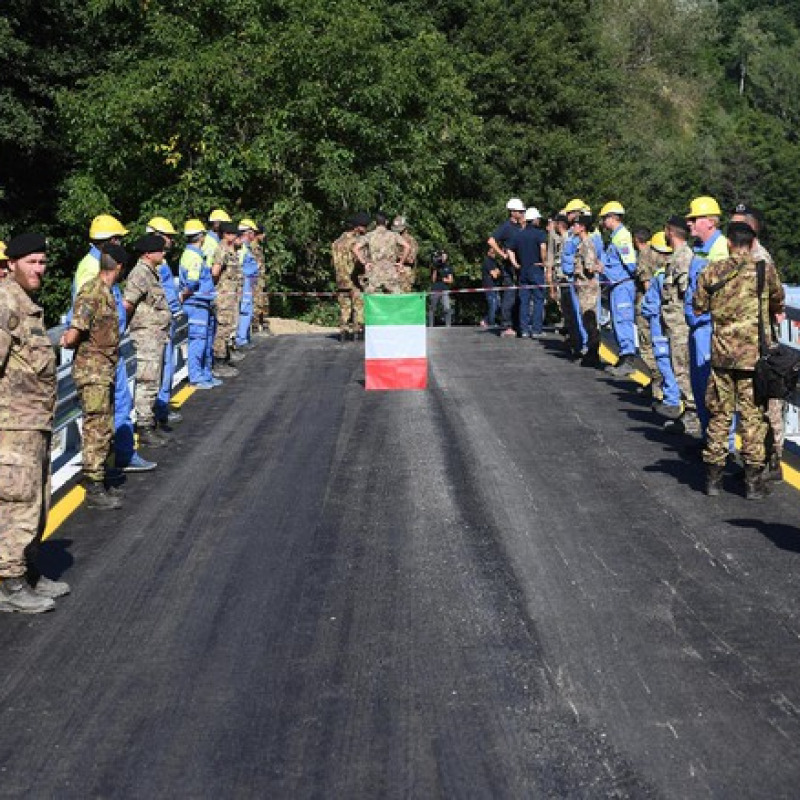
(171, 293)
(619, 266)
(196, 280)
(568, 253)
(250, 273)
(651, 311)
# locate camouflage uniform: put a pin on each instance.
(734, 352)
(645, 269)
(382, 272)
(407, 273)
(149, 330)
(27, 403)
(676, 279)
(351, 303)
(587, 267)
(229, 293)
(260, 296)
(94, 370)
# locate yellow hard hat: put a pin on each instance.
(659, 243)
(575, 205)
(612, 207)
(105, 226)
(192, 227)
(704, 207)
(218, 215)
(161, 225)
(247, 225)
(3, 256)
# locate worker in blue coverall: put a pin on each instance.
(651, 311)
(619, 267)
(703, 219)
(248, 230)
(197, 294)
(578, 336)
(165, 416)
(105, 232)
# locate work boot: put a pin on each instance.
(754, 488)
(44, 587)
(224, 371)
(98, 497)
(235, 356)
(670, 412)
(623, 367)
(713, 479)
(16, 595)
(773, 472)
(150, 437)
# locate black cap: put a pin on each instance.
(117, 253)
(560, 217)
(585, 220)
(150, 243)
(678, 222)
(361, 220)
(25, 244)
(228, 227)
(743, 208)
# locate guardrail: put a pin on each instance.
(65, 457)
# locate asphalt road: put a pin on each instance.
(507, 586)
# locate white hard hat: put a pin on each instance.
(532, 213)
(515, 204)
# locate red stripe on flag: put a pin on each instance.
(396, 373)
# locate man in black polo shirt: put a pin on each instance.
(526, 251)
(498, 250)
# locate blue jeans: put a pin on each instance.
(531, 276)
(492, 304)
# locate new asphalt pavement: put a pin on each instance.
(507, 586)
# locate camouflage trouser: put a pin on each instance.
(777, 433)
(227, 320)
(678, 332)
(24, 497)
(383, 276)
(97, 404)
(261, 298)
(351, 310)
(588, 300)
(731, 390)
(406, 278)
(149, 362)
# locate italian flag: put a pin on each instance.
(395, 352)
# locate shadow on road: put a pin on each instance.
(54, 558)
(691, 474)
(786, 537)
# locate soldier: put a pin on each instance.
(27, 403)
(227, 275)
(261, 295)
(164, 414)
(407, 270)
(673, 292)
(619, 267)
(727, 289)
(94, 335)
(348, 288)
(382, 253)
(587, 268)
(776, 407)
(149, 320)
(197, 294)
(250, 270)
(557, 232)
(645, 269)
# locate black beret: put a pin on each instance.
(678, 222)
(117, 253)
(149, 243)
(744, 209)
(560, 217)
(739, 227)
(361, 220)
(25, 244)
(585, 220)
(228, 227)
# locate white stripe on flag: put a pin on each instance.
(395, 341)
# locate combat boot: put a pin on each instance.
(754, 488)
(224, 370)
(713, 479)
(235, 356)
(98, 497)
(16, 595)
(44, 587)
(773, 473)
(150, 437)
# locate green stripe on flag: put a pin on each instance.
(394, 309)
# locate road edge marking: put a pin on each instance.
(63, 510)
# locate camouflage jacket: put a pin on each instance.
(27, 363)
(95, 315)
(383, 245)
(645, 267)
(727, 289)
(555, 243)
(411, 258)
(144, 291)
(344, 262)
(587, 264)
(229, 286)
(258, 254)
(676, 279)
